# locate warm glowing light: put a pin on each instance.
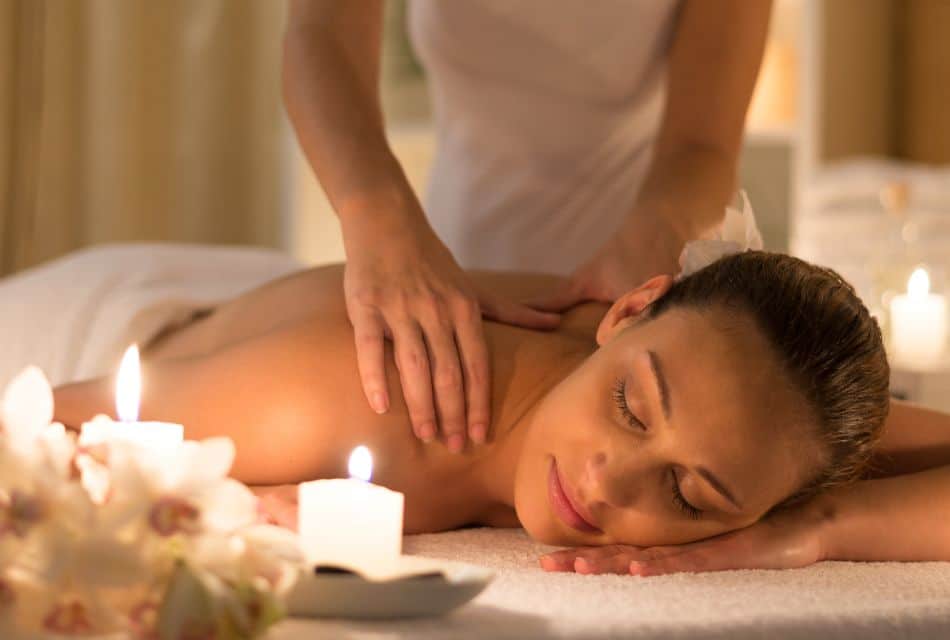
(918, 285)
(128, 388)
(361, 464)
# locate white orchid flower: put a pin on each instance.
(738, 232)
(191, 496)
(103, 537)
(27, 409)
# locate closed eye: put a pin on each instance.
(620, 399)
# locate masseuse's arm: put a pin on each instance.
(400, 280)
(713, 64)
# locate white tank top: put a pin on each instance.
(545, 111)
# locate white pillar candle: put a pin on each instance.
(918, 322)
(152, 436)
(350, 522)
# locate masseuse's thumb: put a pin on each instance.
(561, 299)
(518, 314)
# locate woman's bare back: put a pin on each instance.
(317, 294)
(275, 370)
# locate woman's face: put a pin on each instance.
(678, 428)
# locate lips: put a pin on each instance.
(562, 504)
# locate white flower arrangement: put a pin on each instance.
(101, 539)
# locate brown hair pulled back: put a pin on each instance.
(826, 341)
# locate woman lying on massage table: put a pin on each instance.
(732, 419)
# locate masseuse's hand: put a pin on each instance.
(783, 541)
(645, 247)
(405, 285)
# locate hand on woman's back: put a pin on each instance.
(408, 288)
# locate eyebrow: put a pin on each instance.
(719, 486)
(661, 383)
(667, 411)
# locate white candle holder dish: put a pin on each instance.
(412, 587)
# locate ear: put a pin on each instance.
(629, 307)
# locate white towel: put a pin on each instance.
(829, 600)
(74, 316)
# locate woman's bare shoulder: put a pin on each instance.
(321, 289)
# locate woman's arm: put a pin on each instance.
(901, 513)
(914, 439)
(904, 518)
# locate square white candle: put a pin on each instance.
(350, 523)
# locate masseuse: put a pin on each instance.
(589, 139)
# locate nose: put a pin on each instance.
(613, 484)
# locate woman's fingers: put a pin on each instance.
(591, 560)
(447, 385)
(277, 505)
(476, 368)
(412, 360)
(695, 561)
(368, 329)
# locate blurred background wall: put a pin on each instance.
(141, 120)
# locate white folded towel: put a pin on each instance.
(74, 316)
(829, 600)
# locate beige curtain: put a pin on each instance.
(885, 87)
(138, 120)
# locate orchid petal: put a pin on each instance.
(227, 505)
(27, 406)
(204, 463)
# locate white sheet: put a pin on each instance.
(834, 600)
(73, 317)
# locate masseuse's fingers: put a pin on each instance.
(412, 360)
(476, 369)
(447, 383)
(514, 313)
(561, 299)
(370, 357)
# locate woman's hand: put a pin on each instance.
(401, 282)
(783, 541)
(645, 247)
(277, 505)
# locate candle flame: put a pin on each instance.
(361, 464)
(128, 388)
(918, 285)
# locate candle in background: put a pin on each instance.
(918, 322)
(350, 522)
(153, 436)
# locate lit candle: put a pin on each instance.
(350, 522)
(918, 322)
(153, 436)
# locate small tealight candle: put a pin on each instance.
(350, 522)
(918, 322)
(152, 436)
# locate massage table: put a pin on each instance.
(829, 600)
